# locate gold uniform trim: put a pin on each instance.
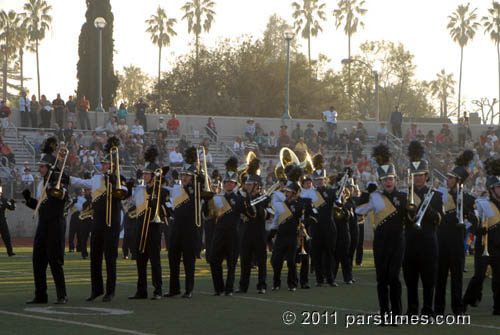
(224, 209)
(142, 207)
(319, 201)
(100, 191)
(285, 215)
(180, 199)
(388, 210)
(449, 205)
(490, 222)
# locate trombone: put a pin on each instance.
(44, 188)
(197, 186)
(118, 192)
(460, 203)
(147, 214)
(57, 191)
(485, 236)
(411, 206)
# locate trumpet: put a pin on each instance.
(338, 212)
(302, 236)
(423, 207)
(460, 203)
(86, 214)
(117, 192)
(411, 206)
(147, 214)
(58, 192)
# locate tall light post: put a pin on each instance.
(375, 75)
(288, 37)
(100, 24)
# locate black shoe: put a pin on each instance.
(138, 296)
(261, 291)
(108, 297)
(37, 301)
(496, 312)
(333, 284)
(187, 295)
(93, 296)
(228, 294)
(216, 294)
(292, 289)
(171, 294)
(275, 288)
(305, 286)
(61, 301)
(12, 254)
(156, 297)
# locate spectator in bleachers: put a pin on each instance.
(272, 144)
(70, 109)
(122, 112)
(344, 140)
(83, 108)
(7, 151)
(45, 112)
(140, 113)
(123, 127)
(68, 132)
(297, 133)
(314, 145)
(24, 109)
(251, 145)
(429, 138)
(357, 149)
(309, 133)
(162, 126)
(137, 129)
(59, 105)
(261, 140)
(35, 112)
(183, 143)
(382, 133)
(396, 122)
(284, 139)
(112, 126)
(249, 129)
(27, 178)
(212, 130)
(330, 117)
(4, 115)
(301, 149)
(361, 132)
(173, 126)
(239, 147)
(363, 164)
(175, 157)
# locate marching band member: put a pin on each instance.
(4, 228)
(106, 228)
(149, 202)
(48, 246)
(84, 205)
(451, 235)
(354, 233)
(228, 206)
(390, 212)
(304, 250)
(487, 251)
(253, 241)
(209, 216)
(420, 260)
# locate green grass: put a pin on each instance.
(250, 313)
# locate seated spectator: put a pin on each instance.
(122, 112)
(112, 126)
(251, 145)
(284, 139)
(250, 129)
(301, 149)
(314, 145)
(309, 133)
(361, 132)
(382, 133)
(239, 147)
(420, 136)
(175, 157)
(272, 144)
(261, 140)
(27, 178)
(183, 143)
(297, 133)
(123, 127)
(212, 130)
(162, 126)
(357, 149)
(137, 129)
(173, 126)
(7, 151)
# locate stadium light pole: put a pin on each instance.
(100, 24)
(288, 37)
(375, 75)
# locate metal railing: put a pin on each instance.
(212, 134)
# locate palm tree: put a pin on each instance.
(37, 22)
(161, 29)
(491, 24)
(10, 24)
(200, 15)
(443, 87)
(307, 18)
(462, 26)
(349, 12)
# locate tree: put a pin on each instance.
(307, 17)
(200, 15)
(87, 74)
(133, 84)
(161, 29)
(491, 24)
(443, 88)
(349, 12)
(462, 26)
(485, 103)
(9, 25)
(274, 44)
(37, 22)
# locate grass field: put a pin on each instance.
(203, 314)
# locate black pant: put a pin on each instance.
(182, 243)
(208, 227)
(165, 230)
(84, 232)
(151, 253)
(303, 260)
(388, 250)
(353, 244)
(324, 242)
(224, 245)
(59, 116)
(34, 120)
(129, 237)
(83, 116)
(451, 259)
(396, 129)
(253, 247)
(4, 231)
(24, 118)
(45, 118)
(420, 262)
(284, 248)
(361, 240)
(104, 241)
(474, 292)
(342, 259)
(74, 228)
(48, 249)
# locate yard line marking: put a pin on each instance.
(84, 324)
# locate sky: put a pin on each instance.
(419, 25)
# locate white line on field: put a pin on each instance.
(83, 324)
